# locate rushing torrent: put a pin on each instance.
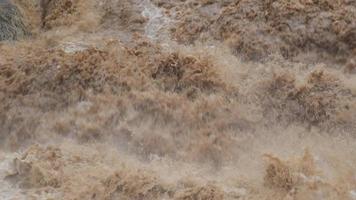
(181, 100)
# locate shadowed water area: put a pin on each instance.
(11, 24)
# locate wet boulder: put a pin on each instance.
(11, 24)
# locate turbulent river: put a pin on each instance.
(183, 100)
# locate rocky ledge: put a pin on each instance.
(11, 24)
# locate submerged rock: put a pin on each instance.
(11, 24)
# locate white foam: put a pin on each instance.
(8, 191)
(353, 194)
(157, 25)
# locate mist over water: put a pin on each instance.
(198, 100)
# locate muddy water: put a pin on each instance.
(106, 102)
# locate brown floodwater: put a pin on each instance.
(183, 100)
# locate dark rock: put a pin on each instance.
(11, 24)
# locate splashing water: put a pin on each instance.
(7, 190)
(126, 99)
(158, 23)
